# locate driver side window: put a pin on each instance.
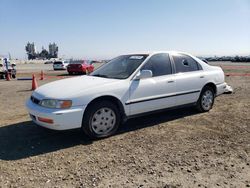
(159, 64)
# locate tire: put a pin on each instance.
(101, 119)
(13, 76)
(206, 99)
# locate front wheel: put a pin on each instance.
(206, 99)
(101, 119)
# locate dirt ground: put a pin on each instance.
(179, 148)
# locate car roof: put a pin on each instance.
(157, 52)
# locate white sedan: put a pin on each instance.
(125, 87)
(60, 65)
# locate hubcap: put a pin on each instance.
(207, 100)
(103, 121)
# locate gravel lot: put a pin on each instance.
(180, 148)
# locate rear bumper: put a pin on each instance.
(63, 119)
(59, 68)
(220, 88)
(76, 70)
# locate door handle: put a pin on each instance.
(202, 76)
(171, 81)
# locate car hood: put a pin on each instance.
(70, 87)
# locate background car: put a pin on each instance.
(60, 65)
(49, 62)
(11, 70)
(80, 67)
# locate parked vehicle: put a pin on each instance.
(11, 70)
(60, 65)
(52, 60)
(49, 62)
(125, 87)
(80, 67)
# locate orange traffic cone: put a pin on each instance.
(7, 76)
(34, 82)
(42, 76)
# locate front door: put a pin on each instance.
(157, 92)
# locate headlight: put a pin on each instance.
(53, 103)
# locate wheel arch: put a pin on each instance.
(110, 98)
(212, 85)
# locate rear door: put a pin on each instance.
(153, 93)
(189, 77)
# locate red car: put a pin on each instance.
(80, 67)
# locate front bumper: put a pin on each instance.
(63, 119)
(220, 88)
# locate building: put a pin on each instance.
(53, 50)
(44, 54)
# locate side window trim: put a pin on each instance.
(172, 64)
(199, 66)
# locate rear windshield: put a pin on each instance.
(57, 63)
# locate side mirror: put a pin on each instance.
(144, 74)
(13, 65)
(1, 65)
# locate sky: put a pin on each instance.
(99, 29)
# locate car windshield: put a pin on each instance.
(121, 67)
(57, 63)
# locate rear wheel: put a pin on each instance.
(206, 99)
(101, 119)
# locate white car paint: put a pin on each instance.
(167, 91)
(62, 66)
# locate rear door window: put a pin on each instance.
(185, 63)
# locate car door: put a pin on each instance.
(190, 79)
(156, 92)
